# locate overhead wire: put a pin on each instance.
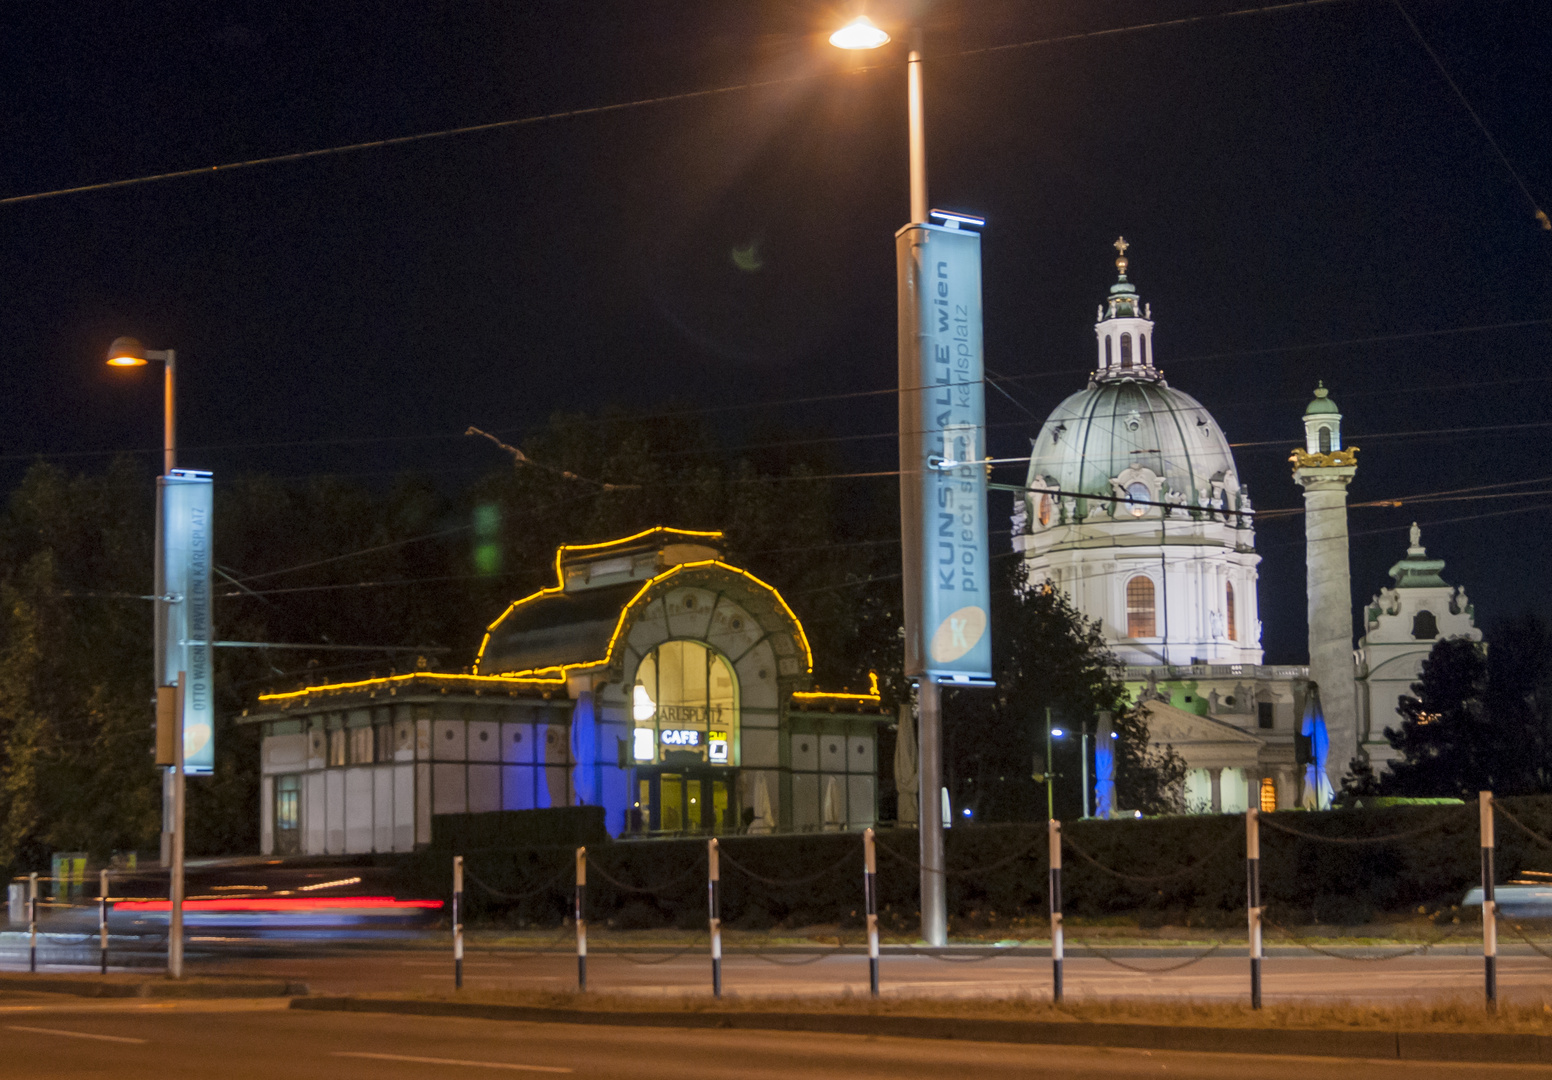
(638, 103)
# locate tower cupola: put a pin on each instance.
(1125, 330)
(1322, 424)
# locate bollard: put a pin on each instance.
(870, 898)
(102, 917)
(714, 903)
(1489, 907)
(1054, 828)
(581, 920)
(32, 921)
(1253, 899)
(457, 926)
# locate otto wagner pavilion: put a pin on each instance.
(653, 679)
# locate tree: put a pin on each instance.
(1478, 718)
(1046, 654)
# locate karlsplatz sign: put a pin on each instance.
(942, 452)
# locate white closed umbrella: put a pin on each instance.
(905, 768)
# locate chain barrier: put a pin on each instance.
(1527, 940)
(728, 860)
(771, 958)
(1386, 839)
(656, 890)
(698, 943)
(1107, 958)
(564, 937)
(500, 895)
(1526, 829)
(1304, 943)
(1146, 879)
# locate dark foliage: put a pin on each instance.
(1478, 719)
(1000, 872)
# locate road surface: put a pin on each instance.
(261, 1041)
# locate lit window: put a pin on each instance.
(1268, 795)
(1139, 495)
(337, 746)
(1126, 350)
(1325, 440)
(1045, 509)
(1229, 610)
(683, 691)
(1139, 607)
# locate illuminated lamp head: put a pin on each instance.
(860, 33)
(126, 352)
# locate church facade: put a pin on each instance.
(1133, 506)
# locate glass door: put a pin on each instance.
(671, 802)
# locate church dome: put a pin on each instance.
(1129, 432)
(1124, 426)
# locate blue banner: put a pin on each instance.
(185, 631)
(942, 452)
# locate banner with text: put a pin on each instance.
(187, 530)
(942, 447)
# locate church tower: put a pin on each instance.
(1324, 468)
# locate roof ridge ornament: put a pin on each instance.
(1121, 260)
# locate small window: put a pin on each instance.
(1138, 495)
(1109, 356)
(1126, 350)
(1325, 440)
(1424, 626)
(1268, 795)
(1045, 509)
(337, 746)
(361, 746)
(1139, 607)
(1142, 349)
(1228, 610)
(288, 815)
(1264, 715)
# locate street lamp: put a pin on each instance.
(860, 34)
(126, 352)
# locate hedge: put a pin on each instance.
(1000, 871)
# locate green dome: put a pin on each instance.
(1322, 403)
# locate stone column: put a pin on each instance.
(1330, 599)
(1215, 778)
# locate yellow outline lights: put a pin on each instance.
(557, 676)
(872, 697)
(430, 676)
(625, 612)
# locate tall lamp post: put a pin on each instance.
(860, 34)
(128, 352)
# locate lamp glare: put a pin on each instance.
(860, 33)
(126, 352)
(1057, 732)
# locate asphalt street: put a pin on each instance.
(235, 1041)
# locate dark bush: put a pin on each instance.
(1180, 870)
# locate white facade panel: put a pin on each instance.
(382, 808)
(449, 740)
(403, 808)
(449, 793)
(484, 788)
(315, 814)
(358, 810)
(334, 803)
(484, 741)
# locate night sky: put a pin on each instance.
(1288, 180)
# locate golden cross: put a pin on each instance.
(1121, 245)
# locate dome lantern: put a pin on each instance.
(1125, 329)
